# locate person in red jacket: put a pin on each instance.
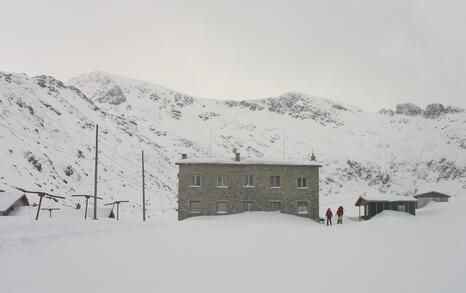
(339, 214)
(329, 216)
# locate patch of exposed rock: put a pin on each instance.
(113, 96)
(432, 111)
(408, 109)
(435, 110)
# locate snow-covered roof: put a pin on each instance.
(431, 194)
(384, 197)
(7, 199)
(214, 161)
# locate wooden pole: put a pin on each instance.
(38, 207)
(87, 203)
(118, 210)
(143, 191)
(95, 174)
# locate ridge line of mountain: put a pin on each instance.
(432, 110)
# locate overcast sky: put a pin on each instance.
(370, 53)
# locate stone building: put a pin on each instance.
(210, 186)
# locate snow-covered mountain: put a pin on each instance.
(48, 134)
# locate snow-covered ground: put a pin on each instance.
(251, 252)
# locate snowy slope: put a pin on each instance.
(47, 138)
(398, 152)
(47, 143)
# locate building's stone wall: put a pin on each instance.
(235, 194)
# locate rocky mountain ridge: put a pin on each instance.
(48, 128)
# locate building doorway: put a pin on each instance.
(248, 206)
(222, 207)
(275, 206)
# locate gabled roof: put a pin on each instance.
(432, 194)
(363, 200)
(223, 161)
(7, 199)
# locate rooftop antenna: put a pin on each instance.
(87, 196)
(41, 195)
(210, 143)
(117, 203)
(313, 156)
(237, 155)
(284, 146)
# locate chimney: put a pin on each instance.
(313, 157)
(237, 157)
(184, 156)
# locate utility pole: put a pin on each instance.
(143, 191)
(95, 176)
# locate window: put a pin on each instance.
(275, 206)
(195, 207)
(221, 207)
(302, 208)
(222, 181)
(275, 181)
(248, 181)
(302, 182)
(196, 180)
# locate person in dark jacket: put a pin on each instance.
(329, 216)
(339, 214)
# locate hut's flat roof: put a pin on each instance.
(383, 198)
(223, 161)
(7, 199)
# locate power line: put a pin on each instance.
(26, 136)
(112, 178)
(21, 117)
(34, 145)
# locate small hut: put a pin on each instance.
(10, 200)
(424, 198)
(371, 206)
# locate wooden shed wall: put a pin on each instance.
(375, 207)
